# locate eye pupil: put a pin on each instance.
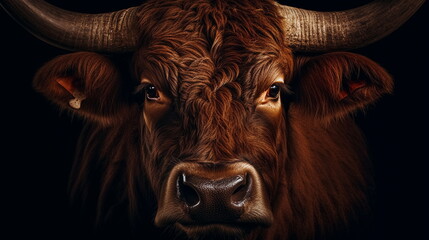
(274, 91)
(151, 92)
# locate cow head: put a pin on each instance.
(229, 132)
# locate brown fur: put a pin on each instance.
(323, 80)
(95, 76)
(214, 58)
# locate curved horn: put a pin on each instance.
(106, 32)
(311, 31)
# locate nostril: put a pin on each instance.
(190, 196)
(186, 192)
(242, 191)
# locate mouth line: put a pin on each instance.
(238, 223)
(216, 224)
(215, 230)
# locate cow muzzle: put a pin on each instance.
(226, 196)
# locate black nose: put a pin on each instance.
(214, 200)
(199, 195)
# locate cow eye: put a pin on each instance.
(273, 91)
(151, 93)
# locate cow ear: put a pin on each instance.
(333, 85)
(87, 84)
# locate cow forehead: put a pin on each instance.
(195, 48)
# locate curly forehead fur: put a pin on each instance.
(197, 47)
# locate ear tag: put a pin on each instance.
(78, 98)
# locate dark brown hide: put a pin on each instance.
(213, 60)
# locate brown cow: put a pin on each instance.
(221, 125)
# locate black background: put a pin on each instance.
(38, 142)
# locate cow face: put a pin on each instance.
(211, 115)
(212, 104)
